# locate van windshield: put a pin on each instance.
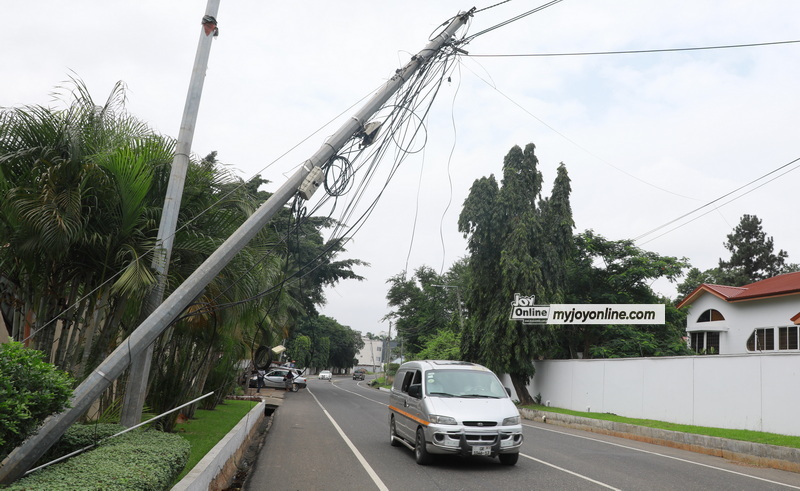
(463, 383)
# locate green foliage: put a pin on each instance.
(444, 345)
(743, 435)
(332, 345)
(425, 304)
(752, 256)
(617, 272)
(208, 427)
(752, 259)
(80, 436)
(300, 350)
(138, 460)
(518, 243)
(30, 390)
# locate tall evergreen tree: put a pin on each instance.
(519, 243)
(752, 257)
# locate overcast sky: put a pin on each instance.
(646, 138)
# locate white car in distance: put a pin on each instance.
(325, 375)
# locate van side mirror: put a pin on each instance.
(415, 391)
(508, 391)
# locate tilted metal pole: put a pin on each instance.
(136, 388)
(26, 455)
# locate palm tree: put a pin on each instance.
(76, 221)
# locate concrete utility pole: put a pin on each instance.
(24, 456)
(458, 299)
(136, 389)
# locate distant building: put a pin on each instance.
(371, 355)
(755, 318)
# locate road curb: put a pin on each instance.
(218, 467)
(759, 454)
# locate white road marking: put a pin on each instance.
(665, 456)
(361, 459)
(569, 472)
(360, 395)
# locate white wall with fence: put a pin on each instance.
(758, 392)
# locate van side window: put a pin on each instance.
(398, 380)
(410, 378)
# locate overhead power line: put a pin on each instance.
(635, 51)
(660, 227)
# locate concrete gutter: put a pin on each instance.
(759, 454)
(219, 465)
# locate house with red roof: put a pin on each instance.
(755, 318)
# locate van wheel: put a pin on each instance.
(420, 452)
(508, 458)
(393, 434)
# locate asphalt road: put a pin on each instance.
(335, 436)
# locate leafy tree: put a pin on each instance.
(423, 305)
(332, 344)
(300, 350)
(518, 243)
(444, 345)
(30, 390)
(617, 272)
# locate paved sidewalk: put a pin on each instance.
(302, 450)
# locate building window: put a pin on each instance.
(712, 343)
(379, 348)
(761, 340)
(698, 341)
(705, 342)
(710, 315)
(787, 338)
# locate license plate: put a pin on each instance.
(481, 450)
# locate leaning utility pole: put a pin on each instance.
(136, 388)
(305, 181)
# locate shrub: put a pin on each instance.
(139, 460)
(78, 437)
(30, 390)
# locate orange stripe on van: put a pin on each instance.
(410, 416)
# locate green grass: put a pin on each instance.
(743, 435)
(208, 427)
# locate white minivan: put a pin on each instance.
(453, 407)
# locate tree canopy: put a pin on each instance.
(518, 243)
(617, 272)
(753, 258)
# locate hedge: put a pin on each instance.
(79, 436)
(139, 460)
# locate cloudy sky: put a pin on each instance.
(653, 142)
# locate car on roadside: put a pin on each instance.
(274, 379)
(325, 375)
(359, 374)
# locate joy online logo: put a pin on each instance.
(523, 308)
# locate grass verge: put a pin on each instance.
(209, 427)
(743, 435)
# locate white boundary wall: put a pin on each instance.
(753, 392)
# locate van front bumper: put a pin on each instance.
(442, 439)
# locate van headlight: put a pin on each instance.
(443, 420)
(513, 420)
